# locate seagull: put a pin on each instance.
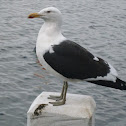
(68, 60)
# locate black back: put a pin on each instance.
(75, 62)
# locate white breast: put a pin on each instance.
(44, 44)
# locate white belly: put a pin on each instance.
(45, 64)
(44, 42)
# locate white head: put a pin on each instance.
(50, 14)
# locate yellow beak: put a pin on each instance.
(34, 15)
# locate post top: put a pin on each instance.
(80, 106)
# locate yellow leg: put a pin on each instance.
(57, 97)
(63, 100)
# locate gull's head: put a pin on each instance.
(50, 14)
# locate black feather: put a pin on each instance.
(75, 62)
(118, 84)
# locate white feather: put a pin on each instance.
(96, 59)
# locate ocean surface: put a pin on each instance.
(97, 25)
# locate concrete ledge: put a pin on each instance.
(79, 110)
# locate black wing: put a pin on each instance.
(75, 62)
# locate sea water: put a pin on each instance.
(97, 25)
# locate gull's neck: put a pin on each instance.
(50, 28)
(50, 33)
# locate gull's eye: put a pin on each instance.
(48, 11)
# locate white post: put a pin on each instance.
(79, 110)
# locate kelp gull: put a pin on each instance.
(68, 60)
